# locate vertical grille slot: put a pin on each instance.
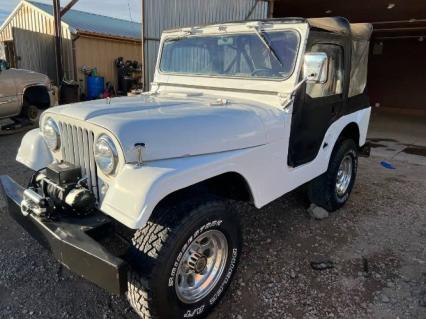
(77, 148)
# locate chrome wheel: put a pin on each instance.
(201, 266)
(344, 175)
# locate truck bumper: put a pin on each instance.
(53, 96)
(70, 242)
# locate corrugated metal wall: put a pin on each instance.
(101, 53)
(160, 15)
(30, 18)
(41, 46)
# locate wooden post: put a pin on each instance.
(145, 87)
(271, 4)
(57, 14)
(68, 7)
(58, 41)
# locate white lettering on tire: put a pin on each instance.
(227, 277)
(195, 312)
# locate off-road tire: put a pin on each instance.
(158, 247)
(322, 190)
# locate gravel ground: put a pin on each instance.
(375, 246)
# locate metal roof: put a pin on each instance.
(95, 23)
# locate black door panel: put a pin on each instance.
(317, 106)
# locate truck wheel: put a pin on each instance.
(33, 113)
(331, 190)
(183, 260)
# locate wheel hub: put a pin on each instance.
(344, 176)
(201, 266)
(197, 262)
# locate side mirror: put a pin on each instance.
(315, 67)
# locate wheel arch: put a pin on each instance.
(37, 94)
(157, 185)
(351, 131)
(229, 185)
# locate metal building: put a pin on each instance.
(87, 39)
(396, 76)
(160, 15)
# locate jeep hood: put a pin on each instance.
(173, 127)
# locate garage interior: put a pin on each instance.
(397, 67)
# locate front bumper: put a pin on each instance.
(70, 242)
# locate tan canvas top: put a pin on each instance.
(359, 31)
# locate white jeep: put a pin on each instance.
(244, 111)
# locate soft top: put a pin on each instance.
(358, 31)
(360, 34)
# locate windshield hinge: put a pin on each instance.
(219, 102)
(285, 100)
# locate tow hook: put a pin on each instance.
(33, 203)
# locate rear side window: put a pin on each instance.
(334, 83)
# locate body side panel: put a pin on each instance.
(135, 192)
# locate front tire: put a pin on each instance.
(331, 190)
(32, 113)
(183, 260)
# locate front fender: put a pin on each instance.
(33, 151)
(136, 191)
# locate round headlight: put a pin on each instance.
(51, 134)
(106, 154)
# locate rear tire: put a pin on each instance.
(331, 190)
(172, 248)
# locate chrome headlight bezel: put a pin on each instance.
(53, 141)
(106, 141)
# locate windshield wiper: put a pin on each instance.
(262, 37)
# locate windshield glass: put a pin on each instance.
(261, 54)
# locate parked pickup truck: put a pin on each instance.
(24, 93)
(244, 111)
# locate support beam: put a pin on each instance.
(68, 7)
(58, 41)
(271, 4)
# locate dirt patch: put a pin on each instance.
(375, 145)
(419, 150)
(379, 139)
(383, 223)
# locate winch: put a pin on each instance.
(58, 188)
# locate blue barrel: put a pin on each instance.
(95, 87)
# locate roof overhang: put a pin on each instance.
(94, 35)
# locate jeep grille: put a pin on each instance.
(77, 148)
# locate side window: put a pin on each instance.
(333, 85)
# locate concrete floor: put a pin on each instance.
(398, 136)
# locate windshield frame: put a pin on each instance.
(220, 76)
